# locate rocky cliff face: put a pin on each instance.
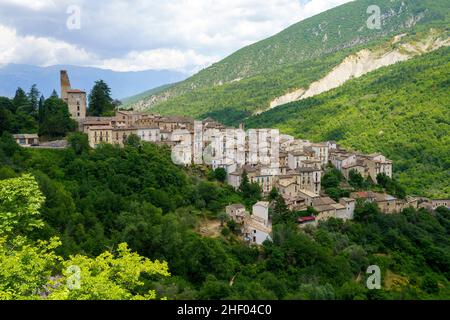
(361, 63)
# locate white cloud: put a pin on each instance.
(172, 59)
(141, 34)
(38, 50)
(46, 52)
(35, 5)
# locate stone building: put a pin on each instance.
(75, 98)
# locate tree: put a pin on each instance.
(366, 211)
(223, 217)
(20, 100)
(30, 271)
(245, 184)
(133, 140)
(79, 142)
(220, 174)
(273, 194)
(109, 277)
(251, 192)
(281, 213)
(331, 179)
(100, 101)
(6, 118)
(41, 109)
(390, 185)
(33, 98)
(20, 201)
(56, 119)
(356, 180)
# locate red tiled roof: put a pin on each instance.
(306, 219)
(75, 91)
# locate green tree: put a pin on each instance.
(220, 174)
(41, 109)
(33, 98)
(79, 142)
(356, 180)
(281, 213)
(100, 101)
(273, 194)
(20, 100)
(109, 276)
(133, 140)
(20, 202)
(56, 119)
(6, 117)
(365, 211)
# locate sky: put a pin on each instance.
(137, 35)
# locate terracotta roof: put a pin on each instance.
(75, 91)
(323, 201)
(306, 219)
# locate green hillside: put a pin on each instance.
(249, 79)
(402, 111)
(133, 99)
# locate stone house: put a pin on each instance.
(386, 203)
(309, 179)
(348, 212)
(26, 140)
(325, 207)
(237, 212)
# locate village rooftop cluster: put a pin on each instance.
(294, 168)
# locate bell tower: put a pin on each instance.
(75, 99)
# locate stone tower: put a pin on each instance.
(75, 99)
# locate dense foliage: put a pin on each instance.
(401, 111)
(32, 269)
(29, 113)
(97, 199)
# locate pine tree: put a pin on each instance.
(33, 98)
(100, 101)
(20, 100)
(41, 113)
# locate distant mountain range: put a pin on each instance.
(123, 84)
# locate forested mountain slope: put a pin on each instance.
(401, 110)
(249, 80)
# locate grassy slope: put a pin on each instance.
(402, 111)
(130, 100)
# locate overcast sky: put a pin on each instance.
(134, 35)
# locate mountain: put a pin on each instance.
(259, 76)
(123, 84)
(137, 97)
(401, 110)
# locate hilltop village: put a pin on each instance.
(301, 165)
